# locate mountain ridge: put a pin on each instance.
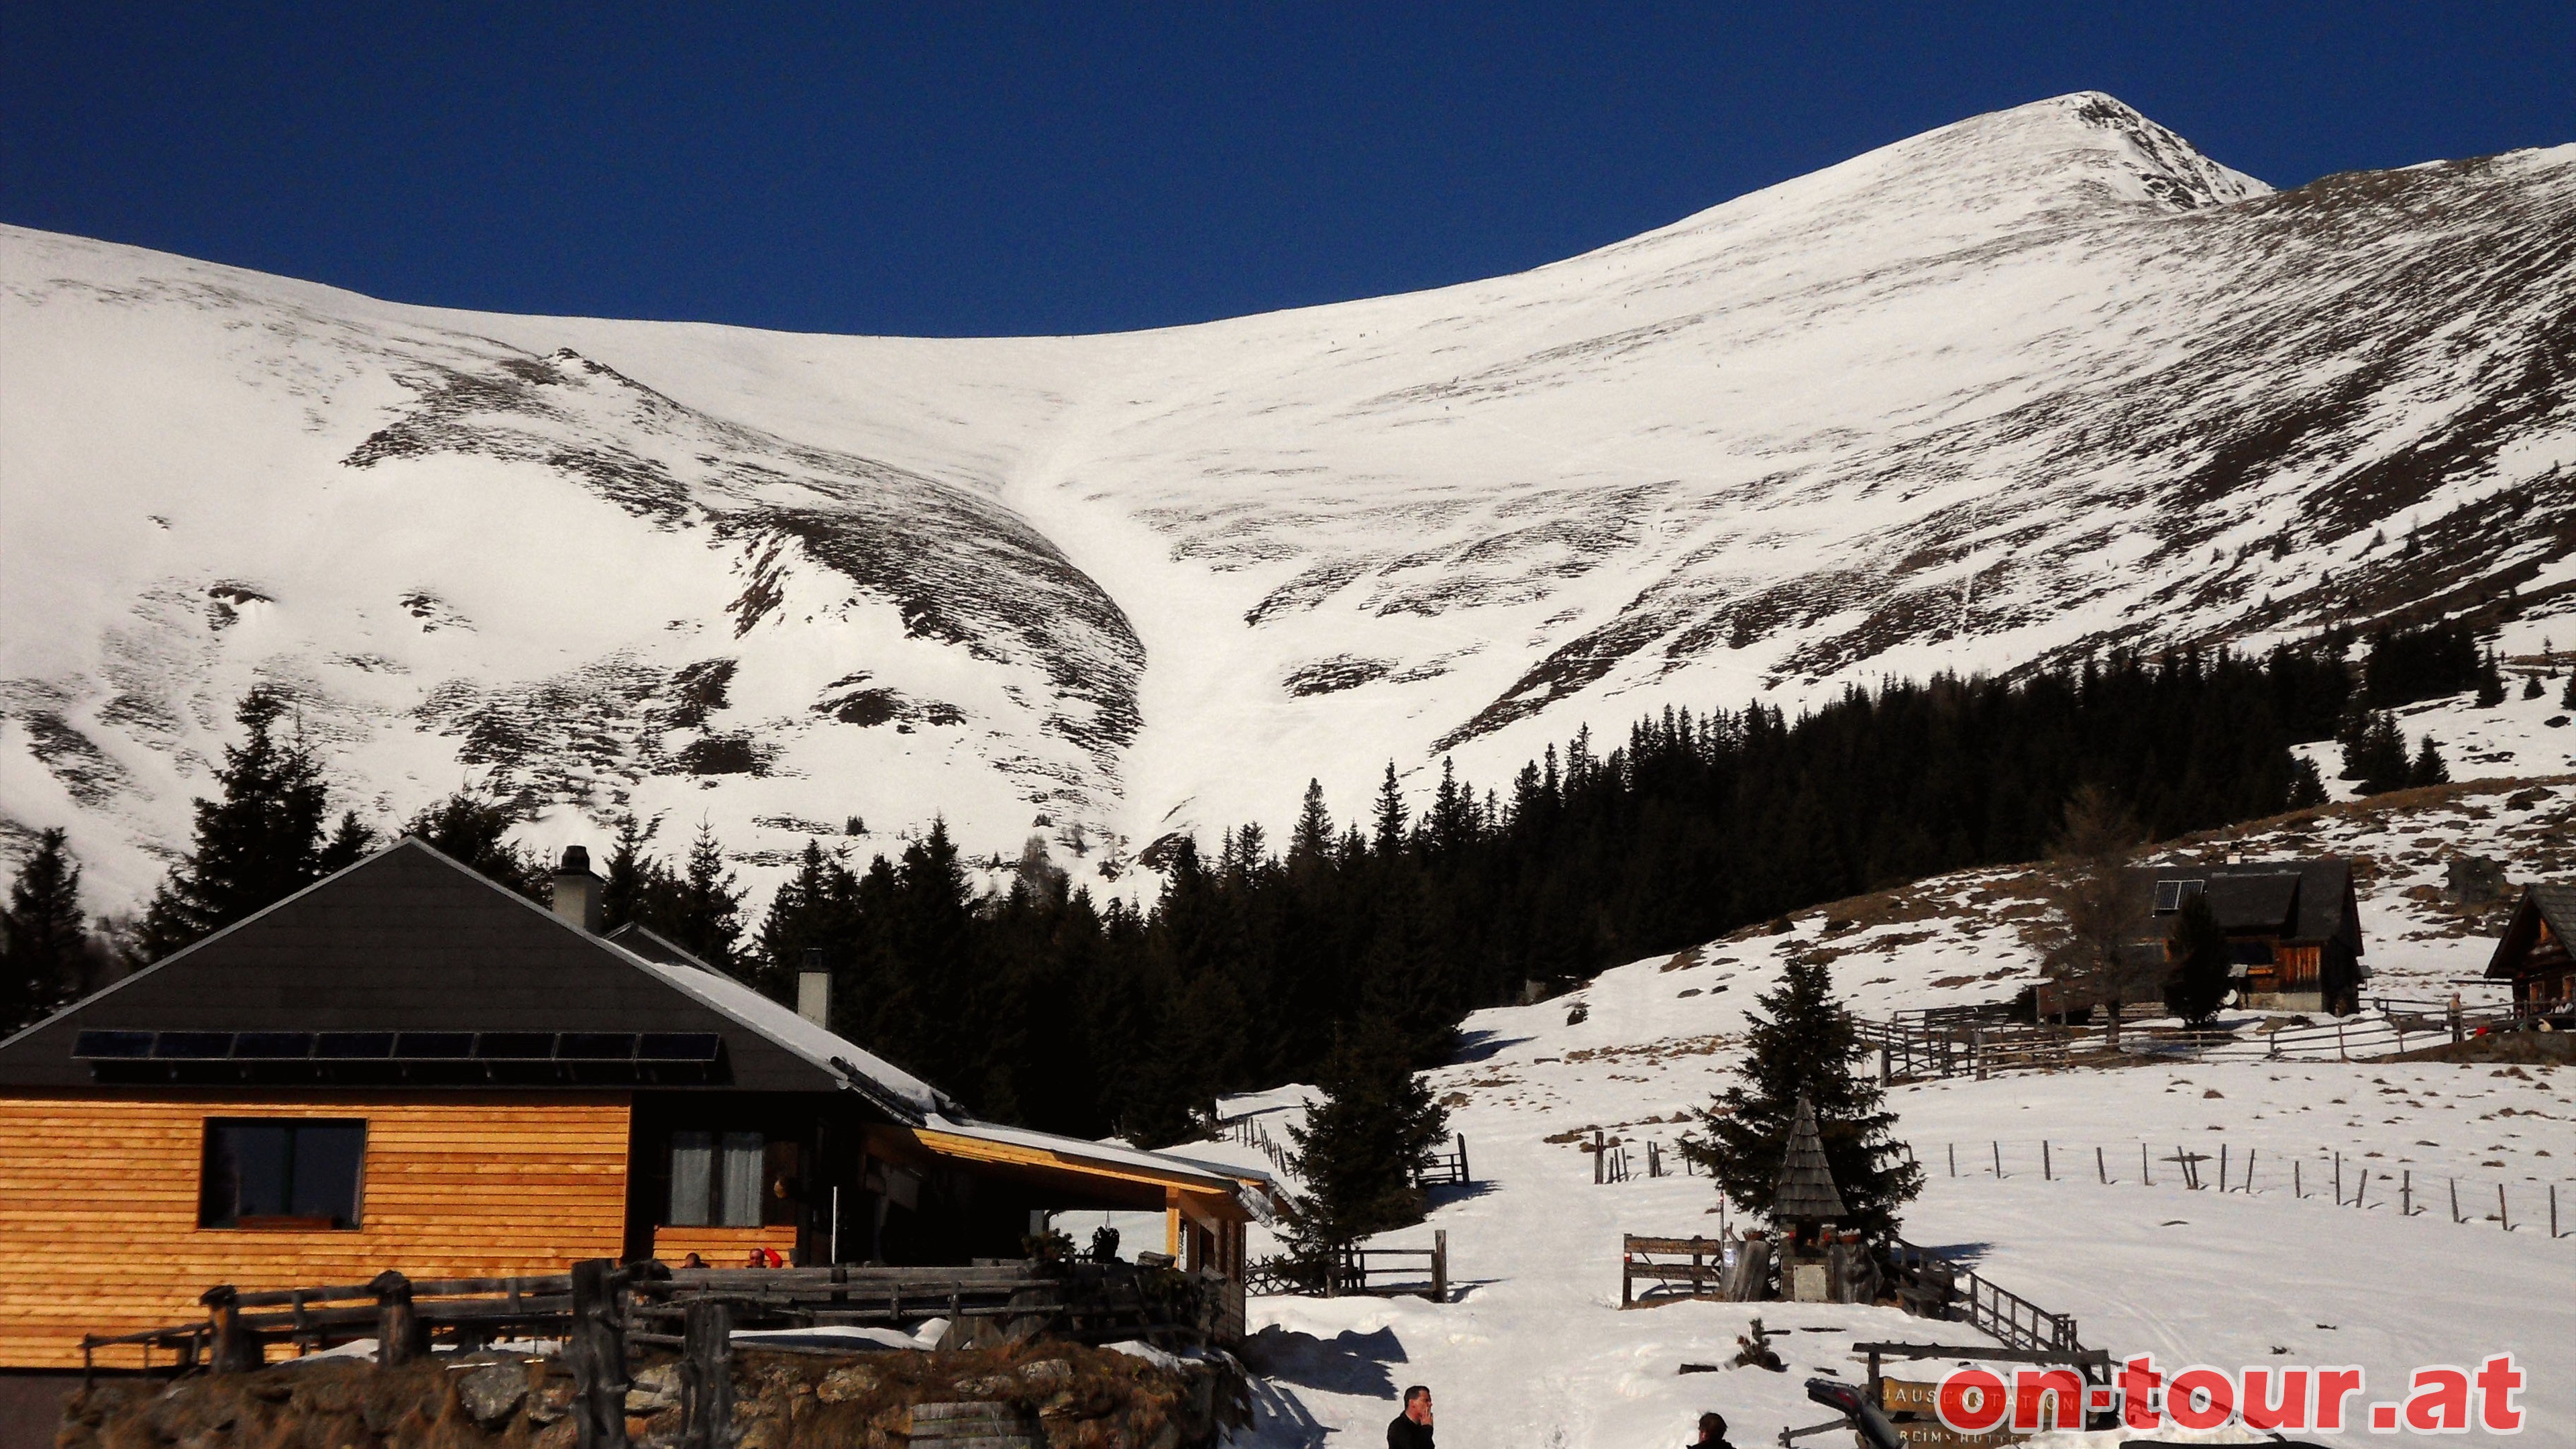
(1982, 399)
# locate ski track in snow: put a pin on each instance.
(1535, 1351)
(2043, 381)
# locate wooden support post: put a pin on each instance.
(2553, 1212)
(1462, 1159)
(2338, 1164)
(400, 1335)
(706, 1376)
(597, 1347)
(1440, 1265)
(236, 1349)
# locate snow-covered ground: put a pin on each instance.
(1536, 1352)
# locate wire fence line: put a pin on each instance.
(2542, 1206)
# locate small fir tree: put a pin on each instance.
(350, 842)
(1807, 1045)
(2307, 787)
(2567, 699)
(2374, 753)
(2428, 768)
(1363, 1146)
(704, 910)
(2198, 983)
(2490, 681)
(2531, 687)
(258, 842)
(43, 946)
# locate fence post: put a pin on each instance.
(706, 1376)
(1599, 1170)
(400, 1335)
(2101, 1168)
(1462, 1159)
(236, 1350)
(2222, 1167)
(2045, 1175)
(1954, 1159)
(2248, 1188)
(1999, 1159)
(598, 1351)
(2553, 1212)
(1440, 1267)
(2297, 1189)
(2145, 1175)
(2406, 1194)
(2503, 1216)
(2338, 1161)
(2455, 1200)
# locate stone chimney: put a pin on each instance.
(577, 892)
(814, 989)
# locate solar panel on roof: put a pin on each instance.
(193, 1045)
(354, 1046)
(435, 1045)
(679, 1046)
(515, 1045)
(112, 1044)
(273, 1045)
(598, 1046)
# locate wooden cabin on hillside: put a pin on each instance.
(406, 1066)
(2535, 954)
(2293, 927)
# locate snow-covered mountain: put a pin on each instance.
(2035, 383)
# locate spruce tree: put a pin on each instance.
(637, 883)
(1808, 1044)
(2531, 687)
(257, 843)
(1390, 814)
(2490, 681)
(350, 842)
(2567, 699)
(703, 910)
(43, 946)
(2428, 768)
(2374, 753)
(1362, 1148)
(474, 831)
(2198, 983)
(2307, 787)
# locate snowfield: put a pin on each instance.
(1536, 1352)
(2037, 383)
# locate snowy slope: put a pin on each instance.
(2033, 383)
(1536, 1352)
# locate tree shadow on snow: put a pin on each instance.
(1347, 1363)
(1477, 1046)
(1965, 1255)
(1279, 1421)
(1444, 1193)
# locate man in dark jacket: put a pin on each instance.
(1712, 1432)
(1412, 1428)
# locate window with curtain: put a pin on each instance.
(717, 1179)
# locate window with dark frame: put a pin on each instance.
(717, 1179)
(282, 1174)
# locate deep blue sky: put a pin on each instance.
(958, 168)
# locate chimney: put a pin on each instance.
(577, 891)
(814, 989)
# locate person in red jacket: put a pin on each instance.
(1412, 1428)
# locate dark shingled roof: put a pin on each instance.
(409, 940)
(2298, 900)
(1805, 1191)
(2541, 901)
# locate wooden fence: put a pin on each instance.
(1363, 1272)
(1446, 1167)
(649, 1304)
(1929, 1045)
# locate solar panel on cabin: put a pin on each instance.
(515, 1045)
(112, 1044)
(679, 1046)
(354, 1045)
(193, 1045)
(273, 1045)
(597, 1046)
(2168, 896)
(434, 1045)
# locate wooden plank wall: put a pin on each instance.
(722, 1247)
(98, 1204)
